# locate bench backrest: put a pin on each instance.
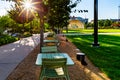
(49, 49)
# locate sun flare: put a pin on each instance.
(27, 9)
(30, 6)
(27, 4)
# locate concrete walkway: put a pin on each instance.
(12, 54)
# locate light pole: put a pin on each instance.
(96, 44)
(119, 12)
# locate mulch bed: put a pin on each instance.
(27, 70)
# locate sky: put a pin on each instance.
(107, 9)
(4, 6)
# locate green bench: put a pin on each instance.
(51, 42)
(49, 49)
(47, 41)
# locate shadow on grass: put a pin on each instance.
(105, 57)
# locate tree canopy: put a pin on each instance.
(56, 11)
(59, 10)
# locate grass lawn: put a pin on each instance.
(92, 30)
(106, 57)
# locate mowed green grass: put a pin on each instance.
(106, 57)
(92, 30)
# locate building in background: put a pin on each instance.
(77, 22)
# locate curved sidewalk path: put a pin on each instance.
(12, 54)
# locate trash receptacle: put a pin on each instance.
(80, 56)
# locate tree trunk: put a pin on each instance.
(66, 29)
(41, 32)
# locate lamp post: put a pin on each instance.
(119, 12)
(96, 44)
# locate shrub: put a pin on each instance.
(5, 39)
(50, 35)
(27, 34)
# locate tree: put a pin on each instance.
(116, 25)
(59, 9)
(20, 14)
(5, 23)
(107, 23)
(59, 12)
(101, 22)
(89, 25)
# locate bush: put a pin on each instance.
(5, 39)
(27, 34)
(50, 35)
